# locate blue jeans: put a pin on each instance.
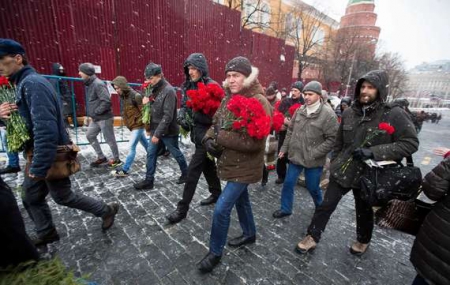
(13, 157)
(171, 143)
(312, 179)
(234, 193)
(135, 137)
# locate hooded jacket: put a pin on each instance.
(99, 101)
(39, 106)
(242, 158)
(62, 89)
(310, 138)
(430, 253)
(201, 121)
(131, 104)
(359, 121)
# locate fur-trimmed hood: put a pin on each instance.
(251, 85)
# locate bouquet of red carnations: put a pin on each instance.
(146, 109)
(17, 133)
(248, 115)
(206, 98)
(292, 110)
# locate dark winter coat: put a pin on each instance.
(358, 122)
(310, 138)
(200, 121)
(62, 89)
(288, 102)
(242, 159)
(164, 110)
(431, 250)
(99, 100)
(39, 105)
(131, 104)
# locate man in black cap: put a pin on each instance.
(163, 125)
(39, 106)
(296, 98)
(100, 112)
(197, 122)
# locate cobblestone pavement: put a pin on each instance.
(141, 248)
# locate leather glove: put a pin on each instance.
(362, 153)
(212, 148)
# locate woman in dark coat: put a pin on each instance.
(430, 253)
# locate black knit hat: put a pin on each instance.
(8, 46)
(297, 85)
(270, 91)
(239, 64)
(87, 68)
(152, 69)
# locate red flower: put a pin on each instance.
(277, 105)
(277, 120)
(4, 82)
(206, 98)
(386, 127)
(145, 85)
(294, 108)
(248, 115)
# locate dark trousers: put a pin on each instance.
(281, 162)
(419, 280)
(34, 201)
(199, 163)
(265, 177)
(334, 193)
(15, 245)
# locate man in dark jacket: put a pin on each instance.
(100, 112)
(64, 93)
(240, 163)
(430, 253)
(368, 110)
(163, 125)
(296, 98)
(38, 104)
(132, 118)
(196, 70)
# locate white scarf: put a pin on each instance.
(312, 108)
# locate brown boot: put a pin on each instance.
(306, 245)
(358, 248)
(108, 219)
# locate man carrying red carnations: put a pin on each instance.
(201, 98)
(239, 129)
(361, 137)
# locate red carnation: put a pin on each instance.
(277, 105)
(4, 82)
(386, 127)
(206, 98)
(294, 108)
(277, 120)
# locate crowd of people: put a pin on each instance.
(306, 138)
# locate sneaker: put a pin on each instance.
(98, 162)
(120, 173)
(10, 169)
(113, 163)
(306, 245)
(358, 248)
(108, 219)
(45, 239)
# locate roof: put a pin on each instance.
(353, 2)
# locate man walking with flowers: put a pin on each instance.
(201, 98)
(238, 134)
(370, 129)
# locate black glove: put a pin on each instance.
(182, 122)
(212, 148)
(362, 153)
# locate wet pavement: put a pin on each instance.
(142, 248)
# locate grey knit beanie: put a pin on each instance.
(313, 86)
(239, 64)
(152, 69)
(87, 68)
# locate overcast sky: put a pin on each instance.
(419, 30)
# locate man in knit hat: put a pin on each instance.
(296, 98)
(310, 137)
(132, 118)
(240, 163)
(163, 125)
(40, 108)
(99, 109)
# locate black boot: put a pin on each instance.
(208, 201)
(45, 239)
(10, 169)
(176, 216)
(144, 184)
(238, 241)
(108, 219)
(208, 262)
(182, 179)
